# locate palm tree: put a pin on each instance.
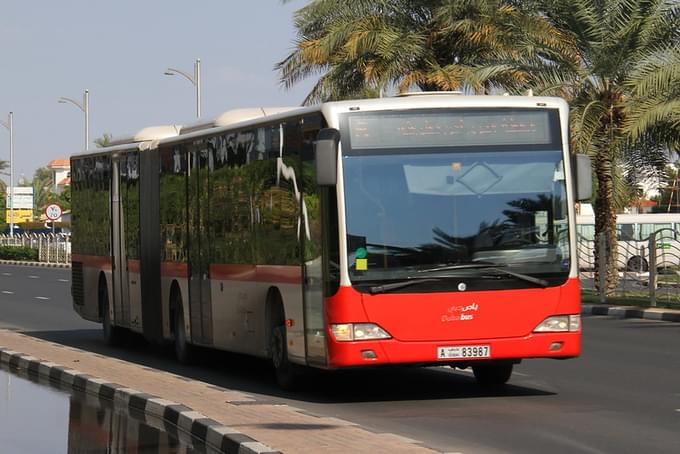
(625, 102)
(42, 187)
(668, 200)
(362, 47)
(103, 141)
(3, 171)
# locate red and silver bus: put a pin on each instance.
(433, 229)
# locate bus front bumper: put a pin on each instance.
(560, 345)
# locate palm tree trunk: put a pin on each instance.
(605, 224)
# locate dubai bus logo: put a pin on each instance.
(460, 313)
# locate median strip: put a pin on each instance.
(659, 314)
(184, 421)
(204, 410)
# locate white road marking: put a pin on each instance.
(63, 280)
(7, 292)
(42, 298)
(6, 274)
(33, 277)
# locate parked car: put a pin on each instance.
(17, 230)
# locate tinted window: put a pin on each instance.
(173, 204)
(90, 205)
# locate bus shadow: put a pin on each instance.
(252, 375)
(406, 384)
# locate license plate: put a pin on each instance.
(464, 351)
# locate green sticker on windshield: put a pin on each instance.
(361, 253)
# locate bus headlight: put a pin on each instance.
(358, 332)
(559, 324)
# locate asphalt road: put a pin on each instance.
(621, 396)
(37, 298)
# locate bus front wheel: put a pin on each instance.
(288, 375)
(492, 374)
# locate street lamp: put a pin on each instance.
(85, 107)
(10, 126)
(195, 80)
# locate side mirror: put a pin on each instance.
(326, 154)
(584, 177)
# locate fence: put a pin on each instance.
(647, 268)
(52, 248)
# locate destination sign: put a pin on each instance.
(446, 128)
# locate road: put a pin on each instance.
(622, 395)
(36, 298)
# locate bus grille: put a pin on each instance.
(77, 283)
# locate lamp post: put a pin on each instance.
(10, 126)
(85, 107)
(195, 80)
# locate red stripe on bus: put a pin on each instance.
(133, 266)
(174, 269)
(257, 273)
(93, 261)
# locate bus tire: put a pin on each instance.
(493, 374)
(113, 335)
(288, 375)
(184, 351)
(637, 263)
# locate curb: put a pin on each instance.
(38, 264)
(666, 315)
(171, 417)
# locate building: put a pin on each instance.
(61, 173)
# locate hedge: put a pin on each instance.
(23, 253)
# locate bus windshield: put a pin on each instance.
(413, 209)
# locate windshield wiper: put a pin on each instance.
(490, 267)
(462, 266)
(523, 277)
(401, 284)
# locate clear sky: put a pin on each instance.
(119, 50)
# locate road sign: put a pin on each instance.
(23, 198)
(53, 211)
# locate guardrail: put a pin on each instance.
(647, 267)
(52, 248)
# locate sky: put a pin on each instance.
(119, 50)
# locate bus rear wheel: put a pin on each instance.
(113, 335)
(184, 352)
(288, 375)
(493, 374)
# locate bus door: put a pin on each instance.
(121, 292)
(200, 305)
(315, 255)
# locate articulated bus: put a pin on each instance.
(432, 229)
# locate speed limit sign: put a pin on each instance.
(53, 211)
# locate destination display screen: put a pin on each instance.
(450, 128)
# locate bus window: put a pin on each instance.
(586, 231)
(625, 232)
(648, 229)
